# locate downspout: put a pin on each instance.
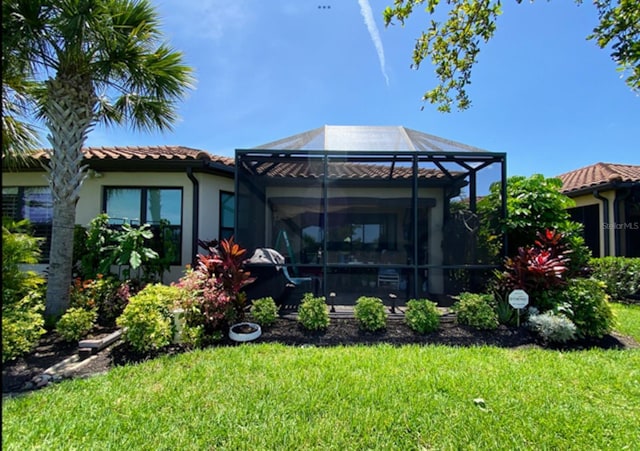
(616, 220)
(195, 213)
(605, 217)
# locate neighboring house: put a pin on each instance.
(189, 188)
(607, 200)
(366, 210)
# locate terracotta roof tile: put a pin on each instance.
(313, 170)
(599, 174)
(147, 153)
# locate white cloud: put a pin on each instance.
(367, 13)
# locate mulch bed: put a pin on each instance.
(341, 331)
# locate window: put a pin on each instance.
(159, 207)
(227, 214)
(362, 231)
(34, 203)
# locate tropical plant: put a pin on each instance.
(370, 314)
(129, 250)
(505, 313)
(475, 310)
(148, 319)
(264, 311)
(539, 268)
(76, 323)
(453, 45)
(90, 248)
(533, 204)
(90, 62)
(22, 300)
(206, 304)
(22, 325)
(19, 247)
(422, 315)
(101, 246)
(313, 313)
(225, 262)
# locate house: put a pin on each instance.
(607, 198)
(189, 188)
(384, 211)
(369, 210)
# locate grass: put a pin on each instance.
(274, 397)
(628, 319)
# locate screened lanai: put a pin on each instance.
(380, 211)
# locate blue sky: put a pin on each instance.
(541, 92)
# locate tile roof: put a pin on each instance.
(313, 170)
(139, 153)
(598, 175)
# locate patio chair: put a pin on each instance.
(389, 278)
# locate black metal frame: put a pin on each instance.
(253, 166)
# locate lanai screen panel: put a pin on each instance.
(392, 211)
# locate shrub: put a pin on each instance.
(552, 327)
(313, 312)
(22, 325)
(369, 312)
(107, 295)
(476, 310)
(588, 307)
(264, 311)
(205, 302)
(22, 301)
(422, 315)
(18, 248)
(193, 336)
(533, 203)
(147, 319)
(76, 323)
(621, 275)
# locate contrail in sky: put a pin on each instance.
(367, 13)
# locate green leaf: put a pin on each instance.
(135, 260)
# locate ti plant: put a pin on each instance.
(540, 267)
(225, 262)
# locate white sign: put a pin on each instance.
(518, 299)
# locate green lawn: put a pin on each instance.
(628, 319)
(271, 397)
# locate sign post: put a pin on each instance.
(518, 299)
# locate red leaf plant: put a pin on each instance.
(539, 267)
(225, 262)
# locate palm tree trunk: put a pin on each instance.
(69, 113)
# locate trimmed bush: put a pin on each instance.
(264, 311)
(422, 315)
(313, 312)
(476, 310)
(147, 320)
(370, 314)
(76, 323)
(621, 275)
(553, 328)
(586, 304)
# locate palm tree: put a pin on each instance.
(92, 61)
